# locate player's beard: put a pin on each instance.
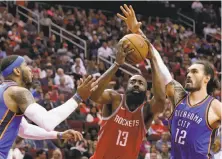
(134, 100)
(26, 82)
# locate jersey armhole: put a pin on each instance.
(206, 114)
(117, 109)
(144, 125)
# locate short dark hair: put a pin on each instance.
(39, 152)
(209, 71)
(7, 61)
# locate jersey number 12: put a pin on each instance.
(180, 136)
(122, 138)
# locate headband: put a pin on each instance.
(8, 70)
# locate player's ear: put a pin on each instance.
(17, 71)
(207, 79)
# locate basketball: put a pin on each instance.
(140, 47)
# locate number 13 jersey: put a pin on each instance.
(121, 134)
(191, 135)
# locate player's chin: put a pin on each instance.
(188, 88)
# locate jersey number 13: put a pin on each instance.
(122, 138)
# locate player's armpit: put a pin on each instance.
(216, 105)
(107, 97)
(175, 92)
(22, 97)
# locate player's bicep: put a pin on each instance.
(106, 97)
(175, 92)
(22, 97)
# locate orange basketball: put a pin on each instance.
(140, 47)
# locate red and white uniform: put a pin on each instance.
(121, 134)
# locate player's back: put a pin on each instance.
(9, 123)
(191, 135)
(121, 134)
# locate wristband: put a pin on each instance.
(116, 64)
(59, 135)
(77, 98)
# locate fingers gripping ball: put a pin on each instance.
(140, 48)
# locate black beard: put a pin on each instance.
(134, 100)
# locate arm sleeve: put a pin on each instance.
(164, 70)
(34, 132)
(48, 120)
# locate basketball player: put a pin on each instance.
(126, 118)
(196, 114)
(16, 100)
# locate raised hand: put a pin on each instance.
(123, 51)
(86, 87)
(71, 135)
(130, 18)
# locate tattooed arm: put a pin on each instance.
(175, 92)
(47, 120)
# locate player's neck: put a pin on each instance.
(19, 82)
(198, 95)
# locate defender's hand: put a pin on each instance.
(86, 87)
(130, 18)
(71, 135)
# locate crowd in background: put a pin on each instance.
(58, 65)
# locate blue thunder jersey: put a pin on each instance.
(191, 134)
(9, 123)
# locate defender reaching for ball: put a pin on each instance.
(126, 118)
(16, 100)
(196, 114)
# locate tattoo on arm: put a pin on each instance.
(23, 98)
(178, 92)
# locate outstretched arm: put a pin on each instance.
(39, 115)
(158, 101)
(174, 89)
(34, 132)
(29, 131)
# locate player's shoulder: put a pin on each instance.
(216, 104)
(113, 94)
(13, 90)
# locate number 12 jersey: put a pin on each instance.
(191, 135)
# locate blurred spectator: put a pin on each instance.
(41, 154)
(61, 100)
(31, 29)
(79, 67)
(153, 154)
(105, 51)
(63, 88)
(2, 54)
(57, 154)
(156, 129)
(68, 80)
(197, 6)
(165, 151)
(46, 102)
(165, 139)
(17, 151)
(77, 115)
(94, 116)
